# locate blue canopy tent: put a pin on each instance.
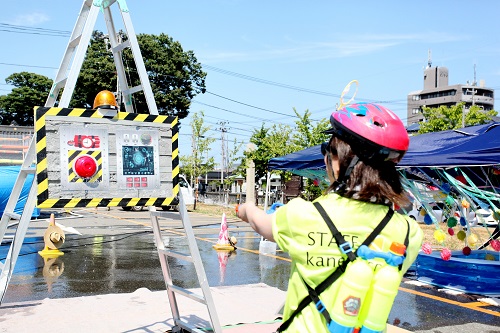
(307, 163)
(470, 146)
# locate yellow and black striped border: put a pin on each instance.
(43, 200)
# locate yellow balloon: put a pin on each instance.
(489, 256)
(465, 204)
(439, 235)
(472, 239)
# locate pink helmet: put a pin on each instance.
(372, 131)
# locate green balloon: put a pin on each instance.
(452, 221)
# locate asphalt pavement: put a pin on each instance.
(112, 252)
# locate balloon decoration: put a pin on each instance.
(445, 254)
(427, 248)
(428, 219)
(495, 244)
(489, 256)
(452, 221)
(472, 240)
(453, 197)
(461, 235)
(439, 235)
(463, 222)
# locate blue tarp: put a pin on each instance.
(470, 146)
(8, 176)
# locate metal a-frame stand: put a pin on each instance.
(66, 78)
(194, 257)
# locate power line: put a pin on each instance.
(33, 66)
(20, 29)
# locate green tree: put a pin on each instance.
(29, 90)
(197, 163)
(232, 158)
(280, 140)
(175, 75)
(98, 72)
(269, 142)
(447, 118)
(309, 132)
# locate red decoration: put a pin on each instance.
(427, 248)
(445, 254)
(451, 231)
(466, 250)
(495, 244)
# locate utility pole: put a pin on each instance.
(472, 98)
(193, 168)
(223, 130)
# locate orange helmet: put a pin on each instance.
(105, 100)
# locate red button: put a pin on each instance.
(85, 166)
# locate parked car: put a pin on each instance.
(419, 215)
(487, 218)
(187, 195)
(437, 210)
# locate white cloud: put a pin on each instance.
(31, 19)
(339, 47)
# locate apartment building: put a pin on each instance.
(437, 92)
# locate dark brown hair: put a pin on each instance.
(377, 182)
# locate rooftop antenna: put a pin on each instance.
(429, 58)
(474, 82)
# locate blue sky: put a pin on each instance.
(264, 58)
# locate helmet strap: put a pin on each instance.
(340, 184)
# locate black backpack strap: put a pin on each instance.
(345, 247)
(407, 241)
(340, 269)
(320, 288)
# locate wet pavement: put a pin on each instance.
(116, 254)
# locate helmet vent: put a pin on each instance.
(377, 121)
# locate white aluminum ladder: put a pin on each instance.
(74, 55)
(77, 48)
(180, 324)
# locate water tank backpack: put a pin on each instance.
(357, 263)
